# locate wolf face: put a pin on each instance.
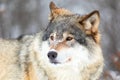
(67, 36)
(63, 38)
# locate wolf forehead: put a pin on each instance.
(66, 23)
(62, 24)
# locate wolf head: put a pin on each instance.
(70, 37)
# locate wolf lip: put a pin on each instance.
(54, 62)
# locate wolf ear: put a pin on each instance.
(52, 6)
(56, 11)
(90, 24)
(91, 21)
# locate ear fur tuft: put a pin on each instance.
(90, 24)
(52, 6)
(56, 11)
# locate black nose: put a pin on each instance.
(52, 55)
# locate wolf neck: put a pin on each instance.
(70, 73)
(29, 61)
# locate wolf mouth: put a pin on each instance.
(57, 62)
(54, 62)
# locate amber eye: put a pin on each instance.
(52, 37)
(69, 38)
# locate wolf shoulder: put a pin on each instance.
(8, 46)
(10, 49)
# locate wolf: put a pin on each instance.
(69, 49)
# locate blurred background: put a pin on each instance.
(19, 17)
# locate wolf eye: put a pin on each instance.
(69, 38)
(52, 37)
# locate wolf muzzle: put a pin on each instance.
(52, 55)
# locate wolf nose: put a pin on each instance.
(52, 55)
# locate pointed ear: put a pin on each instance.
(52, 6)
(91, 21)
(90, 24)
(56, 11)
